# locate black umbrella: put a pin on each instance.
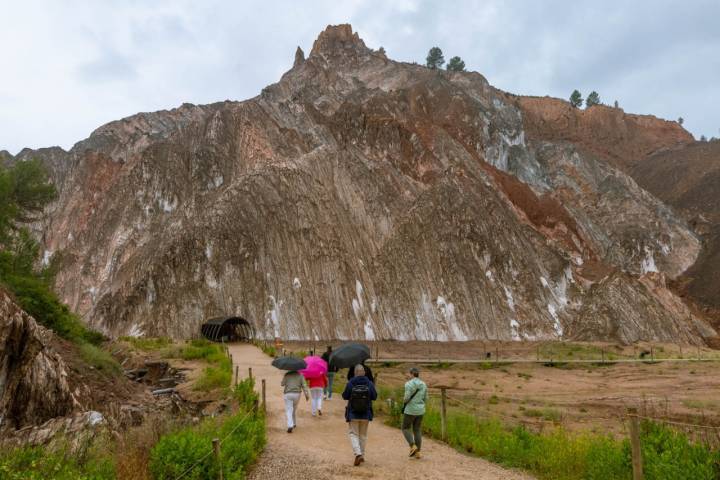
(349, 355)
(289, 363)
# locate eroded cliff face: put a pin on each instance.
(360, 197)
(33, 383)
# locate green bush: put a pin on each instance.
(41, 463)
(212, 378)
(35, 296)
(243, 438)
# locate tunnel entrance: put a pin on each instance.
(228, 329)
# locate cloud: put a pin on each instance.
(109, 67)
(73, 66)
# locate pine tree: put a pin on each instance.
(456, 64)
(576, 99)
(435, 58)
(681, 120)
(616, 104)
(592, 99)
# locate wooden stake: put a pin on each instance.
(216, 450)
(264, 402)
(635, 444)
(250, 373)
(237, 375)
(443, 414)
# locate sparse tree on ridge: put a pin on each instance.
(703, 138)
(616, 104)
(681, 120)
(576, 99)
(456, 64)
(592, 99)
(435, 58)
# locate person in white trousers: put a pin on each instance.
(317, 387)
(294, 384)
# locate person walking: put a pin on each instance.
(368, 372)
(294, 384)
(331, 373)
(317, 387)
(415, 397)
(360, 393)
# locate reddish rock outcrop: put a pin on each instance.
(620, 138)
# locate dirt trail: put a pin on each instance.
(319, 447)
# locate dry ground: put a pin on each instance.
(590, 396)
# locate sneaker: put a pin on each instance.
(417, 455)
(290, 429)
(362, 458)
(320, 412)
(358, 460)
(413, 450)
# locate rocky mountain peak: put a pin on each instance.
(299, 57)
(338, 40)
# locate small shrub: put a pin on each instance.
(243, 438)
(99, 359)
(493, 400)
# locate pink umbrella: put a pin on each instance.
(316, 367)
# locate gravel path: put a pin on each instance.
(319, 447)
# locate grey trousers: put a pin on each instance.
(358, 435)
(412, 429)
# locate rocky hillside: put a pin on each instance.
(33, 377)
(689, 179)
(361, 197)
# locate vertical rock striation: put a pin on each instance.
(361, 197)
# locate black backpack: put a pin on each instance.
(360, 399)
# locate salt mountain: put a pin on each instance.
(361, 197)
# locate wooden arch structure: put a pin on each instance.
(228, 329)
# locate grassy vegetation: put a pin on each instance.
(158, 449)
(217, 375)
(243, 438)
(556, 454)
(267, 348)
(148, 344)
(99, 358)
(41, 463)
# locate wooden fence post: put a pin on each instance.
(264, 402)
(250, 373)
(603, 354)
(443, 414)
(237, 375)
(216, 449)
(497, 352)
(635, 444)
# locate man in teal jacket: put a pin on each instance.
(415, 397)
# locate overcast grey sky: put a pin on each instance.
(70, 66)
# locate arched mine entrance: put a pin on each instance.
(228, 329)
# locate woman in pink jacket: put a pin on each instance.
(317, 387)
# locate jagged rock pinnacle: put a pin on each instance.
(338, 39)
(299, 57)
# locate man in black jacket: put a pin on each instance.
(330, 374)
